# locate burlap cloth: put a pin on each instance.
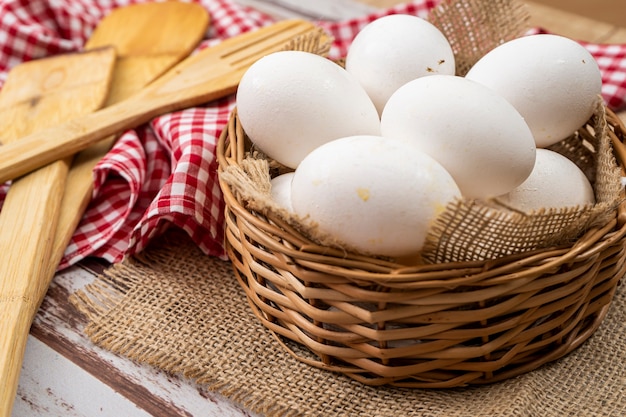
(181, 311)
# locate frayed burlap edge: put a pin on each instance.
(174, 308)
(102, 296)
(140, 309)
(472, 230)
(489, 24)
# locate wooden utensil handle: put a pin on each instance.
(48, 145)
(22, 264)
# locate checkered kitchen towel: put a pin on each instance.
(165, 172)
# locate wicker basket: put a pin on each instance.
(428, 326)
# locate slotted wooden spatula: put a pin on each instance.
(36, 95)
(149, 39)
(210, 74)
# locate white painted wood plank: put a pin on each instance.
(146, 386)
(51, 385)
(315, 10)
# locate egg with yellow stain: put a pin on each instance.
(375, 195)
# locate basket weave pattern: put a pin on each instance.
(426, 326)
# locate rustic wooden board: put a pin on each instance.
(64, 371)
(64, 374)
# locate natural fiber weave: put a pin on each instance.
(496, 293)
(183, 312)
(492, 23)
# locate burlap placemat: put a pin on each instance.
(176, 309)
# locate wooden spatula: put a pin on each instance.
(205, 76)
(36, 95)
(149, 38)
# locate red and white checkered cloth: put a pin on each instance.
(165, 173)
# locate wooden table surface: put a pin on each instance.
(65, 375)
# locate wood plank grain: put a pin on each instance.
(54, 386)
(318, 10)
(59, 326)
(607, 11)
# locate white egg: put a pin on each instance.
(291, 102)
(553, 81)
(555, 182)
(377, 195)
(479, 137)
(281, 190)
(395, 49)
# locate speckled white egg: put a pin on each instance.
(553, 81)
(280, 190)
(478, 136)
(291, 102)
(395, 49)
(376, 195)
(555, 182)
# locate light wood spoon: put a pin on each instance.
(36, 95)
(208, 75)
